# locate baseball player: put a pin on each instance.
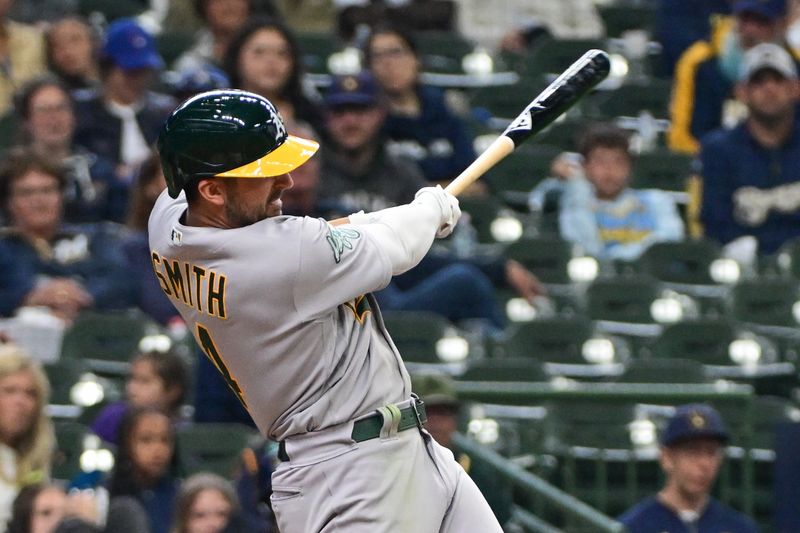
(282, 306)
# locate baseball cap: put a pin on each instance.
(130, 47)
(770, 9)
(358, 89)
(694, 421)
(435, 389)
(767, 56)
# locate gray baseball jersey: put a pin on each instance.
(282, 307)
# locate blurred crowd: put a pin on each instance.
(86, 86)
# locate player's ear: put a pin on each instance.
(212, 191)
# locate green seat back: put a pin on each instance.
(507, 369)
(661, 170)
(673, 370)
(766, 302)
(622, 299)
(555, 340)
(704, 340)
(681, 262)
(415, 333)
(545, 256)
(213, 447)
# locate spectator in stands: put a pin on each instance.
(359, 173)
(146, 465)
(707, 71)
(443, 410)
(43, 507)
(27, 441)
(150, 297)
(681, 23)
(72, 50)
(159, 380)
(22, 54)
(751, 174)
(92, 191)
(597, 208)
(692, 449)
(66, 268)
(222, 19)
(120, 120)
(253, 482)
(512, 27)
(207, 503)
(264, 58)
(420, 125)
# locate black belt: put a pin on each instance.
(370, 427)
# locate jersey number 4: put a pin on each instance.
(211, 351)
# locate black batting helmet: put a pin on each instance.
(228, 134)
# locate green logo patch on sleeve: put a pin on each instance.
(341, 239)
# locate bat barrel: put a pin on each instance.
(583, 75)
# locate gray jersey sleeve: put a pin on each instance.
(335, 265)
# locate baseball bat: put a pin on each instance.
(560, 95)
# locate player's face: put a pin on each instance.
(250, 200)
(151, 445)
(692, 467)
(35, 202)
(19, 402)
(265, 63)
(51, 120)
(353, 127)
(769, 96)
(145, 388)
(608, 170)
(49, 508)
(209, 513)
(393, 63)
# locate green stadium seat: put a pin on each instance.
(622, 299)
(522, 172)
(106, 341)
(563, 134)
(661, 170)
(171, 44)
(557, 339)
(621, 16)
(111, 10)
(62, 375)
(705, 340)
(215, 448)
(315, 49)
(483, 211)
(507, 369)
(416, 334)
(683, 262)
(442, 52)
(553, 56)
(765, 302)
(630, 100)
(673, 370)
(70, 444)
(545, 256)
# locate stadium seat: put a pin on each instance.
(546, 256)
(765, 302)
(315, 49)
(558, 339)
(673, 370)
(553, 56)
(624, 15)
(111, 10)
(70, 444)
(661, 170)
(521, 173)
(629, 100)
(483, 211)
(213, 447)
(705, 340)
(416, 334)
(507, 369)
(62, 375)
(106, 341)
(624, 298)
(442, 52)
(684, 262)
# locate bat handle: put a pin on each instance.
(500, 148)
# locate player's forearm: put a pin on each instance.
(405, 233)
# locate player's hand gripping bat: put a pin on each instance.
(568, 88)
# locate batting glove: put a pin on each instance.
(448, 206)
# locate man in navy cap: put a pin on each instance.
(121, 119)
(692, 449)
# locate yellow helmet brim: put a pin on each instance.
(288, 156)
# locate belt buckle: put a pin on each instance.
(414, 400)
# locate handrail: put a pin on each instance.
(538, 486)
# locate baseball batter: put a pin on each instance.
(282, 306)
